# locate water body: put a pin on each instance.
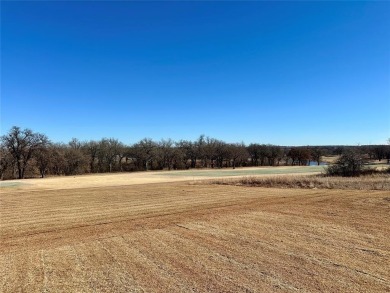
(313, 163)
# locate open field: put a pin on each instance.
(120, 179)
(182, 237)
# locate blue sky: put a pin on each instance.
(288, 73)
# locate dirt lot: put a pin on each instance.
(182, 237)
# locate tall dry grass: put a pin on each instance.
(369, 182)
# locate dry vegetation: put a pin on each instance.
(177, 237)
(371, 182)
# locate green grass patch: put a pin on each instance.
(10, 184)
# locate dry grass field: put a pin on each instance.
(119, 179)
(182, 237)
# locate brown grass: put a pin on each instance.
(372, 182)
(126, 178)
(176, 237)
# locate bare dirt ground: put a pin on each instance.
(182, 237)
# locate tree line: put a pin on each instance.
(24, 153)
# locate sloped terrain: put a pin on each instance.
(178, 237)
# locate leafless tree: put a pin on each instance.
(6, 161)
(253, 150)
(145, 152)
(166, 152)
(91, 149)
(58, 163)
(43, 158)
(22, 144)
(316, 155)
(237, 153)
(109, 149)
(188, 152)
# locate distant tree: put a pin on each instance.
(123, 152)
(272, 153)
(109, 150)
(179, 158)
(91, 149)
(263, 151)
(144, 152)
(221, 152)
(58, 165)
(75, 144)
(200, 149)
(303, 156)
(22, 144)
(210, 151)
(379, 152)
(253, 150)
(238, 154)
(281, 155)
(6, 161)
(43, 158)
(75, 161)
(388, 151)
(316, 155)
(188, 152)
(293, 154)
(166, 153)
(350, 163)
(387, 154)
(338, 150)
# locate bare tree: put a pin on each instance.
(166, 152)
(388, 151)
(6, 161)
(188, 152)
(209, 150)
(221, 152)
(91, 149)
(145, 152)
(43, 158)
(316, 155)
(109, 149)
(58, 163)
(238, 153)
(253, 150)
(272, 153)
(22, 144)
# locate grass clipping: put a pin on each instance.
(371, 182)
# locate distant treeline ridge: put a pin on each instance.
(24, 153)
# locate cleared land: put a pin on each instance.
(119, 179)
(182, 237)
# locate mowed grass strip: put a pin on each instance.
(244, 171)
(179, 237)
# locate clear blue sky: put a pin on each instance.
(289, 73)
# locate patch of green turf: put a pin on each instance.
(10, 184)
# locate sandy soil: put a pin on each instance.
(121, 179)
(181, 237)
